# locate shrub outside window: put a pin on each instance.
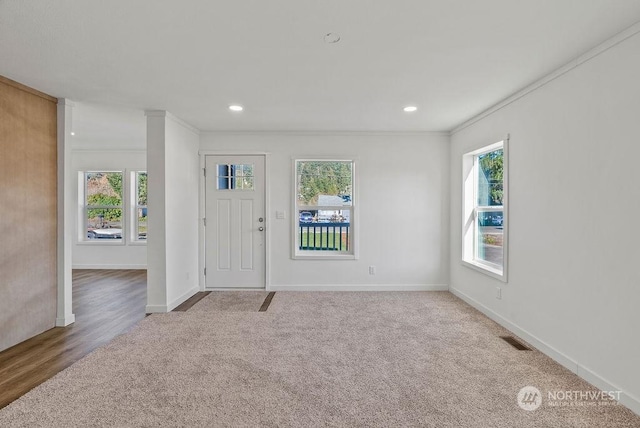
(485, 214)
(103, 207)
(139, 204)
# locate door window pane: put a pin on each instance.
(234, 177)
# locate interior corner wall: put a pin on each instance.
(573, 290)
(28, 220)
(172, 243)
(402, 185)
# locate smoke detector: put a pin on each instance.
(331, 38)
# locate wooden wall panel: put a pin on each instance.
(28, 176)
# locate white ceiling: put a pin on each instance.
(453, 58)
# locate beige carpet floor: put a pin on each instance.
(367, 359)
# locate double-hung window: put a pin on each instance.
(324, 221)
(102, 216)
(139, 205)
(485, 210)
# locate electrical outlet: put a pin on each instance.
(372, 270)
(498, 293)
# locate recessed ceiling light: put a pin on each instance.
(331, 38)
(410, 109)
(236, 107)
(73, 133)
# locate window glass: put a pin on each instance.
(484, 242)
(327, 183)
(324, 207)
(235, 177)
(103, 205)
(141, 211)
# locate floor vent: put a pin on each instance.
(515, 343)
(267, 302)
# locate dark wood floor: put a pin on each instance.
(106, 303)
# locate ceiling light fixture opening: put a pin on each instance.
(410, 109)
(331, 38)
(236, 107)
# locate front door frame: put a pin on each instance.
(202, 214)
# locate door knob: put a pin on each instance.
(260, 219)
(261, 229)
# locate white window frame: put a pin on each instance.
(83, 208)
(353, 252)
(134, 220)
(471, 209)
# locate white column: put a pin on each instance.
(65, 213)
(172, 239)
(156, 224)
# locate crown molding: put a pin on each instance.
(574, 63)
(330, 133)
(174, 118)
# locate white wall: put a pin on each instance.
(106, 255)
(573, 287)
(106, 139)
(403, 202)
(173, 171)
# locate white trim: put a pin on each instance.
(558, 356)
(66, 102)
(354, 220)
(66, 216)
(181, 299)
(66, 320)
(176, 119)
(109, 151)
(110, 266)
(470, 211)
(202, 256)
(574, 63)
(201, 228)
(486, 269)
(156, 309)
(231, 153)
(108, 242)
(359, 287)
(267, 220)
(540, 345)
(626, 399)
(336, 133)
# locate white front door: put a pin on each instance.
(235, 221)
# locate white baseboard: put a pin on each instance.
(633, 403)
(65, 321)
(134, 267)
(358, 287)
(176, 302)
(155, 309)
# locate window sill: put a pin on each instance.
(487, 270)
(303, 256)
(105, 242)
